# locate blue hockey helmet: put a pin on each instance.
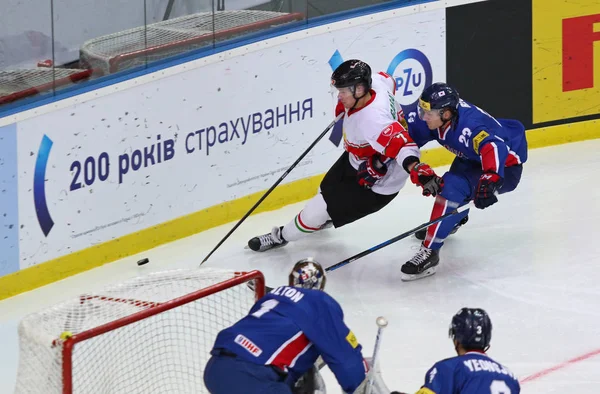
(439, 96)
(308, 274)
(351, 73)
(472, 328)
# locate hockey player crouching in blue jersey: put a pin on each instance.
(489, 160)
(472, 371)
(282, 337)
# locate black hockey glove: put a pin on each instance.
(370, 171)
(489, 184)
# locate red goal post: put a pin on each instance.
(148, 334)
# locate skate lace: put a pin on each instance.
(421, 256)
(266, 240)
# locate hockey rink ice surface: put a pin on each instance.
(531, 261)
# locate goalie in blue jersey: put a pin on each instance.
(489, 160)
(275, 347)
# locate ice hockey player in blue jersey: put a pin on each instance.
(282, 337)
(489, 160)
(472, 371)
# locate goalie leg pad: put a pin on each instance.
(379, 386)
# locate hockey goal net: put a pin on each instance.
(18, 84)
(151, 334)
(137, 46)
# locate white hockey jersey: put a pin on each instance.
(367, 131)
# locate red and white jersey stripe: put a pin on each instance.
(490, 160)
(289, 352)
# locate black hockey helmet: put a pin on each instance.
(351, 73)
(439, 96)
(308, 274)
(472, 328)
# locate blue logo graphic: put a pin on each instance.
(39, 186)
(411, 79)
(9, 201)
(338, 130)
(412, 71)
(335, 60)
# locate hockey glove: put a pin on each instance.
(310, 383)
(489, 184)
(370, 171)
(424, 176)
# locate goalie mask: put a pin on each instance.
(308, 274)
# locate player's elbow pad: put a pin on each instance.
(393, 138)
(493, 155)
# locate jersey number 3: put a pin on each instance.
(267, 306)
(499, 387)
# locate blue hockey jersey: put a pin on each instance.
(289, 328)
(471, 373)
(476, 135)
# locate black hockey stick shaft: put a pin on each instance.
(281, 178)
(397, 238)
(168, 10)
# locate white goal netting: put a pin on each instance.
(134, 47)
(17, 84)
(151, 334)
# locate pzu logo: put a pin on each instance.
(412, 71)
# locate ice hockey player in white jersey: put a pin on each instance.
(370, 172)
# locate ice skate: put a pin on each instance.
(423, 264)
(268, 241)
(421, 234)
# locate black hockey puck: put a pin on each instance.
(143, 261)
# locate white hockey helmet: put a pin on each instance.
(308, 274)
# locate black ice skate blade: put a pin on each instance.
(265, 250)
(410, 277)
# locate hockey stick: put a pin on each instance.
(281, 178)
(168, 10)
(381, 324)
(397, 238)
